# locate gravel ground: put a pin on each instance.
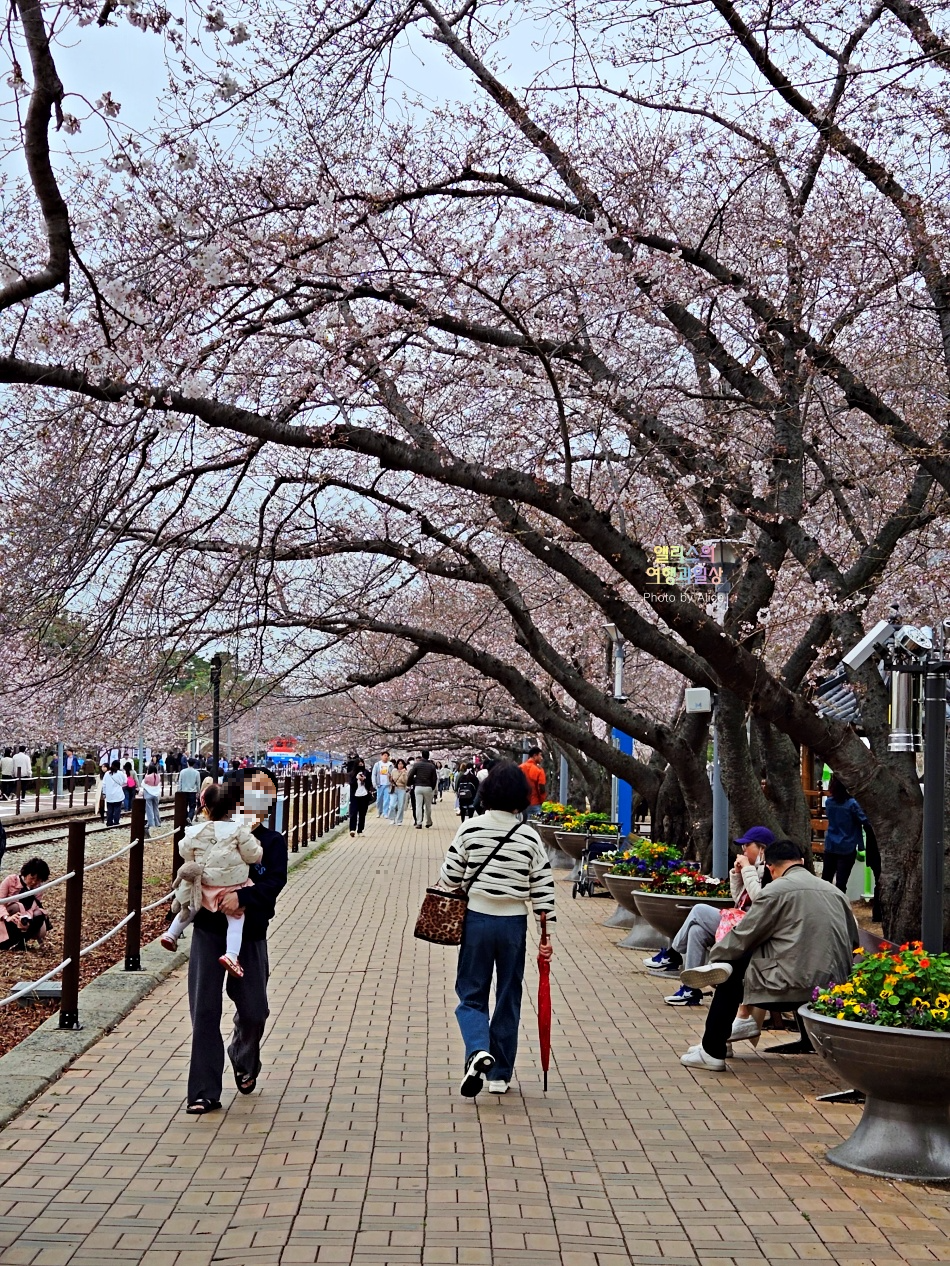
(104, 903)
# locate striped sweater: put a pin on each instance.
(520, 873)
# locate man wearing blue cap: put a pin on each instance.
(697, 936)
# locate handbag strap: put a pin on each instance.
(466, 887)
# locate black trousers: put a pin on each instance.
(726, 1001)
(837, 867)
(249, 995)
(358, 807)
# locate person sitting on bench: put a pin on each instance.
(798, 934)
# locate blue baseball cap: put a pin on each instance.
(756, 835)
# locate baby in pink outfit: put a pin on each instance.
(216, 855)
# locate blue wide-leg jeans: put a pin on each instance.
(492, 945)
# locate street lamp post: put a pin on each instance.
(621, 794)
(215, 715)
(724, 557)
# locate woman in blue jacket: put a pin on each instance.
(843, 837)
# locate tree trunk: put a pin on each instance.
(777, 760)
(748, 805)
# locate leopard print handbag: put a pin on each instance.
(443, 912)
(441, 917)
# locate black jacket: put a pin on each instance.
(423, 774)
(269, 877)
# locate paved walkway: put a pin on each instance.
(358, 1149)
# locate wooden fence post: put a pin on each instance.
(179, 823)
(133, 929)
(293, 833)
(72, 926)
(305, 810)
(285, 815)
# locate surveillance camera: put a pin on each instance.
(913, 641)
(878, 637)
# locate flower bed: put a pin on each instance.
(686, 881)
(553, 813)
(904, 990)
(644, 858)
(594, 823)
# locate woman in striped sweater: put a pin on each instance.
(494, 938)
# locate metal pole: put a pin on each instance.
(72, 926)
(720, 823)
(133, 929)
(60, 756)
(564, 781)
(140, 755)
(935, 755)
(215, 714)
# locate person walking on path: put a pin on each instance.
(516, 873)
(361, 796)
(152, 791)
(131, 785)
(113, 793)
(189, 781)
(799, 933)
(533, 770)
(466, 789)
(843, 836)
(423, 780)
(206, 975)
(22, 768)
(398, 790)
(7, 774)
(382, 772)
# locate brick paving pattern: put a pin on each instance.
(358, 1149)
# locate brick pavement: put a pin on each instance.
(358, 1149)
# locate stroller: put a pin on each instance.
(595, 847)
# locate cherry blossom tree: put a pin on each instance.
(364, 365)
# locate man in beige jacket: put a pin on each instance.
(799, 933)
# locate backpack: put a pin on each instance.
(466, 792)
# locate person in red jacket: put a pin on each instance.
(533, 770)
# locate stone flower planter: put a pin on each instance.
(905, 1074)
(556, 856)
(667, 912)
(641, 935)
(598, 870)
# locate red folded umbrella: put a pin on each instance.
(544, 1004)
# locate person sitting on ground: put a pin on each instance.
(799, 933)
(217, 854)
(24, 919)
(697, 936)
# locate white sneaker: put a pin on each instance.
(696, 1057)
(705, 977)
(480, 1063)
(497, 1087)
(742, 1030)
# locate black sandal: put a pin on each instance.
(245, 1083)
(202, 1106)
